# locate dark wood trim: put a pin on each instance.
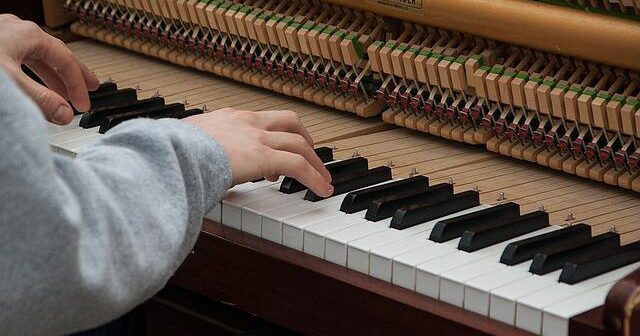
(315, 297)
(622, 307)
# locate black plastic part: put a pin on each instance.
(385, 208)
(352, 182)
(478, 239)
(325, 154)
(526, 249)
(95, 117)
(157, 111)
(479, 220)
(420, 213)
(574, 272)
(595, 247)
(361, 199)
(336, 169)
(111, 99)
(105, 87)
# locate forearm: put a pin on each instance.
(84, 240)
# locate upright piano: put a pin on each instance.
(484, 153)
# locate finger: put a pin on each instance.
(295, 143)
(296, 166)
(89, 78)
(55, 108)
(273, 178)
(53, 52)
(283, 121)
(49, 76)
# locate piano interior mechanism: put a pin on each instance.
(485, 155)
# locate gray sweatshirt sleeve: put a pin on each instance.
(84, 240)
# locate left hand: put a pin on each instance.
(23, 42)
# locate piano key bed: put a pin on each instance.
(416, 219)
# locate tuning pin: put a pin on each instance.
(570, 217)
(501, 196)
(390, 164)
(185, 102)
(138, 87)
(476, 188)
(450, 180)
(542, 208)
(333, 147)
(110, 80)
(157, 93)
(205, 108)
(413, 172)
(355, 154)
(613, 229)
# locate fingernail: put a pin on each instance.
(329, 190)
(59, 114)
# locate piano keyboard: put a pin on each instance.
(517, 243)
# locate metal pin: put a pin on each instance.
(501, 196)
(333, 147)
(613, 229)
(185, 102)
(355, 154)
(138, 87)
(542, 208)
(570, 217)
(157, 93)
(205, 108)
(450, 180)
(109, 80)
(413, 172)
(390, 164)
(476, 188)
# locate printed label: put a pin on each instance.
(408, 5)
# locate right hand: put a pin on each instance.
(266, 144)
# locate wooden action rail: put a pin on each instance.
(578, 117)
(568, 200)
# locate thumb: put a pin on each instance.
(55, 108)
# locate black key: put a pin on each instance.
(526, 249)
(598, 246)
(361, 199)
(103, 88)
(420, 213)
(111, 121)
(325, 154)
(574, 272)
(386, 207)
(479, 220)
(336, 169)
(478, 239)
(95, 117)
(110, 99)
(355, 181)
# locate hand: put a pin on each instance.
(266, 144)
(23, 42)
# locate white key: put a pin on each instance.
(358, 250)
(404, 265)
(77, 144)
(529, 309)
(556, 317)
(381, 257)
(336, 242)
(452, 275)
(477, 291)
(215, 214)
(252, 212)
(235, 199)
(503, 299)
(314, 234)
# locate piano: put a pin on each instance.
(484, 155)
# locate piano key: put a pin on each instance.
(598, 246)
(359, 200)
(109, 98)
(475, 240)
(176, 111)
(574, 272)
(325, 154)
(336, 241)
(94, 118)
(525, 249)
(381, 257)
(314, 234)
(404, 265)
(420, 213)
(358, 251)
(349, 183)
(556, 317)
(502, 306)
(386, 207)
(252, 212)
(488, 218)
(530, 308)
(103, 88)
(233, 203)
(336, 169)
(430, 274)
